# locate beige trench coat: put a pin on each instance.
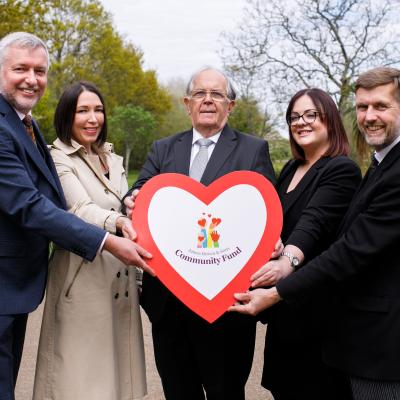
(91, 342)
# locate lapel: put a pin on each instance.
(17, 129)
(224, 147)
(182, 149)
(368, 187)
(114, 164)
(305, 183)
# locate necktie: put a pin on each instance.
(200, 161)
(372, 167)
(29, 128)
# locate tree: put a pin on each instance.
(132, 129)
(286, 45)
(176, 119)
(247, 117)
(83, 44)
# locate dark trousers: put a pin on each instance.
(12, 334)
(197, 359)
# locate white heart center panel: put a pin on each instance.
(207, 245)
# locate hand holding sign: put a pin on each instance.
(207, 241)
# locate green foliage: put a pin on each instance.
(84, 45)
(247, 117)
(176, 119)
(279, 150)
(132, 131)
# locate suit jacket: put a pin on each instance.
(31, 214)
(364, 269)
(234, 151)
(312, 213)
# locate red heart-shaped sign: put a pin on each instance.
(200, 264)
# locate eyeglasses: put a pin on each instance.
(214, 94)
(309, 116)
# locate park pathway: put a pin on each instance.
(25, 380)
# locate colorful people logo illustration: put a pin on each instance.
(208, 237)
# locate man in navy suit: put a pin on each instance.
(193, 356)
(32, 204)
(363, 266)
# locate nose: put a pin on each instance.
(30, 77)
(208, 98)
(92, 116)
(370, 114)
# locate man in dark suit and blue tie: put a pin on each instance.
(32, 204)
(193, 356)
(362, 267)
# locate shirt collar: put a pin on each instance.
(197, 135)
(22, 115)
(381, 154)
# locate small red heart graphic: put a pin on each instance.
(209, 215)
(216, 221)
(173, 239)
(202, 222)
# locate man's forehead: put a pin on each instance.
(209, 78)
(386, 91)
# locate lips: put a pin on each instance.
(373, 128)
(90, 131)
(304, 132)
(28, 91)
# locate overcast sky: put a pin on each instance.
(176, 36)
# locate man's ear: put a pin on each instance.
(231, 105)
(186, 100)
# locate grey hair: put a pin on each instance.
(21, 40)
(230, 90)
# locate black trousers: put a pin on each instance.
(12, 335)
(365, 389)
(198, 360)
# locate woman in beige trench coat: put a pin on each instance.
(91, 342)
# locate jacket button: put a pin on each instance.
(118, 274)
(126, 272)
(106, 191)
(126, 294)
(116, 295)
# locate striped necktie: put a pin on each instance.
(29, 128)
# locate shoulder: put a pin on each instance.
(108, 149)
(341, 163)
(62, 154)
(173, 138)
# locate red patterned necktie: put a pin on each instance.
(29, 128)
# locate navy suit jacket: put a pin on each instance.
(32, 212)
(363, 266)
(234, 151)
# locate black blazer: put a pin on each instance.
(314, 210)
(31, 214)
(234, 151)
(363, 267)
(312, 213)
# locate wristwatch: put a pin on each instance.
(294, 261)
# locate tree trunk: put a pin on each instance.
(128, 151)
